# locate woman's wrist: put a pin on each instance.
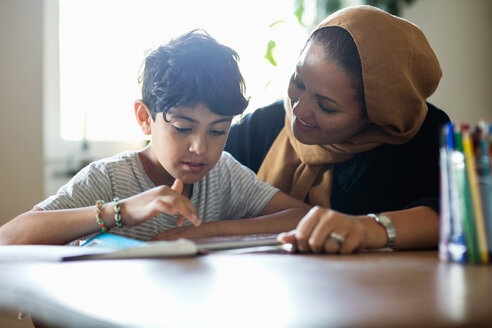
(376, 236)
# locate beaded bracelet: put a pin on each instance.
(99, 219)
(117, 214)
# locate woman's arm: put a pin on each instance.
(282, 213)
(416, 228)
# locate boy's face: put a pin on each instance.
(190, 144)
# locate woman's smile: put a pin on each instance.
(303, 125)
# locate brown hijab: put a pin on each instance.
(399, 71)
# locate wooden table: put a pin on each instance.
(383, 289)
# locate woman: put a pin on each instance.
(355, 138)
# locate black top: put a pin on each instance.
(386, 178)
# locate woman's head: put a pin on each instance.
(341, 49)
(326, 90)
(383, 61)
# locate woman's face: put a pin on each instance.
(326, 107)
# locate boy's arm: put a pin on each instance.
(59, 227)
(282, 213)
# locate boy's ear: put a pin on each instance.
(143, 116)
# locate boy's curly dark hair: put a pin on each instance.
(192, 69)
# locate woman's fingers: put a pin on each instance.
(355, 240)
(321, 239)
(330, 246)
(306, 226)
(287, 237)
(326, 230)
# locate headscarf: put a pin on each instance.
(399, 72)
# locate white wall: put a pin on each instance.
(460, 33)
(21, 121)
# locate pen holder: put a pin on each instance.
(466, 193)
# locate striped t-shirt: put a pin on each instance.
(228, 191)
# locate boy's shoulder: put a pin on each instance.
(122, 161)
(126, 157)
(226, 160)
(230, 166)
(225, 164)
(129, 155)
(225, 156)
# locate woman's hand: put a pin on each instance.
(147, 205)
(329, 231)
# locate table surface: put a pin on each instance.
(384, 289)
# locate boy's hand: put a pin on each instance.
(178, 187)
(147, 205)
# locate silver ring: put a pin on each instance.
(339, 239)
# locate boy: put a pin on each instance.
(191, 89)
